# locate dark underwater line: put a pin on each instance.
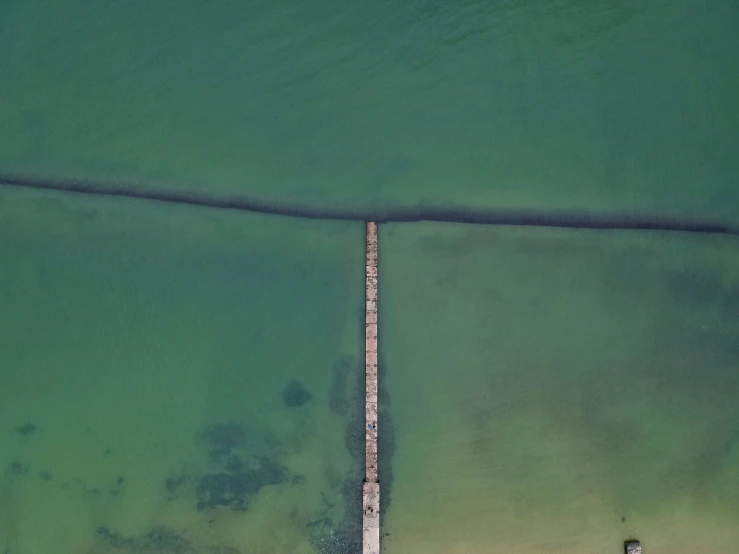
(528, 218)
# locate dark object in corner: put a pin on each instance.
(26, 429)
(632, 546)
(295, 395)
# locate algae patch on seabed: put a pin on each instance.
(240, 462)
(345, 399)
(295, 395)
(162, 540)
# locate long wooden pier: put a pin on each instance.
(371, 488)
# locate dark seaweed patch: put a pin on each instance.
(234, 464)
(18, 468)
(385, 439)
(346, 399)
(163, 538)
(356, 419)
(344, 537)
(235, 490)
(237, 468)
(320, 521)
(26, 429)
(113, 538)
(173, 484)
(223, 439)
(226, 436)
(159, 539)
(295, 395)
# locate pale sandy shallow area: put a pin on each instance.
(545, 384)
(128, 331)
(697, 536)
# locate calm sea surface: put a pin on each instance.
(177, 382)
(560, 391)
(188, 380)
(608, 104)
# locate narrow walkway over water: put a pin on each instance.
(371, 489)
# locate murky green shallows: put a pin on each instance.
(177, 380)
(560, 391)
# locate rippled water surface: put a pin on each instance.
(183, 380)
(506, 103)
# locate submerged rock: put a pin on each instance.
(295, 395)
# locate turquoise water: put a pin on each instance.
(602, 104)
(175, 380)
(187, 380)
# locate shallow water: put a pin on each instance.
(559, 391)
(574, 104)
(146, 352)
(538, 386)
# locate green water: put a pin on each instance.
(546, 384)
(538, 386)
(145, 348)
(588, 104)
